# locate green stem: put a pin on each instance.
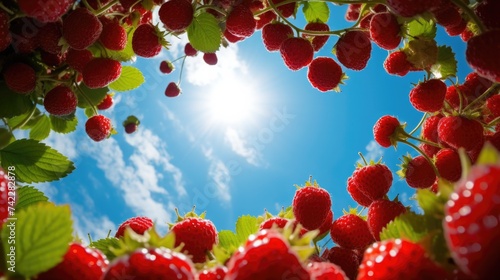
(105, 8)
(86, 98)
(419, 124)
(86, 4)
(424, 155)
(470, 13)
(206, 7)
(424, 141)
(488, 91)
(9, 11)
(179, 58)
(182, 69)
(25, 121)
(363, 158)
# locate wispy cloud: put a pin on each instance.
(63, 143)
(219, 173)
(241, 147)
(373, 152)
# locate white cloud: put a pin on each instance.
(64, 143)
(241, 148)
(373, 152)
(219, 173)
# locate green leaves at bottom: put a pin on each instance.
(27, 196)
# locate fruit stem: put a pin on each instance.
(488, 91)
(105, 8)
(206, 7)
(25, 121)
(470, 13)
(86, 4)
(182, 69)
(424, 141)
(424, 155)
(494, 122)
(363, 158)
(86, 98)
(419, 124)
(2, 6)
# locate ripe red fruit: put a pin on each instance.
(43, 11)
(352, 13)
(448, 164)
(145, 41)
(240, 21)
(100, 72)
(60, 101)
(356, 194)
(5, 37)
(419, 173)
(98, 127)
(428, 96)
(130, 128)
(20, 77)
(189, 50)
(311, 205)
(478, 54)
(176, 15)
(296, 53)
(317, 41)
(351, 232)
(138, 224)
(77, 59)
(48, 37)
(273, 35)
(172, 90)
(149, 264)
(346, 259)
(324, 74)
(471, 224)
(113, 36)
(353, 49)
(81, 29)
(210, 58)
(215, 273)
(286, 10)
(380, 213)
(231, 38)
(198, 235)
(325, 271)
(447, 16)
(78, 263)
(373, 180)
(246, 263)
(6, 200)
(474, 86)
(493, 106)
(396, 63)
(264, 19)
(487, 12)
(106, 103)
(408, 8)
(384, 131)
(459, 131)
(384, 30)
(166, 67)
(275, 221)
(429, 128)
(23, 33)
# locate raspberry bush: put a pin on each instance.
(78, 52)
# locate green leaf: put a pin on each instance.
(228, 240)
(35, 161)
(41, 129)
(61, 125)
(27, 196)
(432, 204)
(42, 235)
(130, 78)
(13, 103)
(488, 155)
(316, 11)
(421, 28)
(89, 112)
(408, 226)
(94, 95)
(446, 65)
(104, 246)
(204, 33)
(17, 120)
(245, 226)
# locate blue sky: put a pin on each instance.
(187, 153)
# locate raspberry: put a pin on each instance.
(145, 41)
(172, 90)
(240, 21)
(459, 131)
(49, 36)
(210, 58)
(347, 259)
(81, 29)
(453, 96)
(354, 49)
(296, 53)
(324, 74)
(373, 180)
(176, 15)
(130, 128)
(5, 37)
(352, 13)
(487, 11)
(317, 41)
(384, 129)
(384, 30)
(113, 36)
(428, 96)
(138, 224)
(448, 164)
(60, 101)
(397, 63)
(447, 16)
(286, 10)
(356, 194)
(106, 103)
(325, 271)
(166, 67)
(274, 34)
(189, 50)
(410, 8)
(264, 19)
(20, 77)
(457, 29)
(44, 11)
(478, 54)
(418, 172)
(77, 59)
(429, 128)
(100, 72)
(98, 127)
(351, 232)
(231, 38)
(382, 212)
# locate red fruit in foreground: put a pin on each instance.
(351, 232)
(5, 37)
(380, 213)
(145, 41)
(448, 164)
(353, 49)
(278, 222)
(5, 184)
(78, 59)
(346, 259)
(78, 263)
(151, 264)
(384, 30)
(210, 58)
(296, 53)
(172, 90)
(100, 72)
(384, 129)
(356, 194)
(138, 224)
(198, 235)
(471, 224)
(311, 205)
(240, 21)
(106, 103)
(113, 36)
(373, 180)
(478, 54)
(324, 74)
(60, 101)
(81, 29)
(176, 15)
(487, 11)
(43, 11)
(266, 256)
(317, 41)
(397, 64)
(458, 131)
(273, 35)
(216, 273)
(20, 77)
(98, 127)
(428, 96)
(419, 173)
(325, 271)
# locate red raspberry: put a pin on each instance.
(231, 38)
(44, 11)
(274, 34)
(113, 36)
(384, 131)
(419, 173)
(210, 58)
(351, 232)
(274, 222)
(352, 13)
(382, 212)
(325, 271)
(493, 106)
(296, 53)
(49, 36)
(264, 19)
(240, 21)
(346, 259)
(138, 224)
(429, 128)
(474, 86)
(176, 15)
(78, 59)
(429, 150)
(189, 50)
(100, 72)
(353, 49)
(455, 30)
(459, 131)
(454, 94)
(410, 8)
(317, 41)
(81, 29)
(145, 41)
(311, 205)
(60, 101)
(428, 96)
(172, 90)
(397, 63)
(466, 35)
(384, 30)
(5, 37)
(487, 11)
(198, 235)
(166, 67)
(130, 128)
(24, 35)
(324, 74)
(356, 194)
(215, 273)
(20, 77)
(366, 20)
(373, 180)
(448, 164)
(106, 103)
(447, 16)
(98, 127)
(286, 10)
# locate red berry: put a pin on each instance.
(172, 90)
(346, 259)
(430, 128)
(493, 106)
(113, 36)
(409, 8)
(352, 13)
(419, 173)
(447, 16)
(356, 194)
(428, 96)
(98, 127)
(453, 96)
(7, 195)
(474, 86)
(60, 101)
(382, 212)
(397, 63)
(198, 235)
(20, 77)
(457, 29)
(176, 15)
(189, 50)
(478, 54)
(296, 53)
(44, 11)
(324, 74)
(145, 41)
(106, 103)
(5, 37)
(373, 180)
(351, 232)
(231, 38)
(264, 19)
(210, 58)
(49, 36)
(81, 29)
(317, 41)
(487, 12)
(274, 34)
(286, 10)
(166, 67)
(384, 30)
(448, 164)
(138, 224)
(384, 131)
(215, 273)
(130, 128)
(100, 72)
(325, 271)
(77, 59)
(240, 21)
(274, 222)
(354, 49)
(459, 131)
(311, 205)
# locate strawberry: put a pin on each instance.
(346, 259)
(106, 103)
(296, 53)
(466, 35)
(273, 35)
(138, 224)
(428, 96)
(471, 222)
(130, 128)
(429, 150)
(477, 54)
(324, 229)
(23, 32)
(384, 131)
(286, 10)
(373, 180)
(145, 41)
(380, 213)
(317, 41)
(448, 164)
(275, 221)
(324, 74)
(493, 106)
(77, 59)
(447, 16)
(487, 12)
(325, 271)
(353, 49)
(264, 19)
(409, 8)
(311, 205)
(176, 15)
(454, 95)
(398, 259)
(356, 194)
(100, 72)
(351, 232)
(352, 13)
(429, 128)
(240, 21)
(189, 50)
(7, 196)
(266, 256)
(166, 67)
(150, 264)
(79, 262)
(81, 29)
(457, 29)
(5, 37)
(49, 36)
(215, 273)
(210, 58)
(113, 36)
(43, 11)
(384, 30)
(20, 77)
(198, 235)
(459, 131)
(60, 101)
(397, 63)
(172, 90)
(418, 172)
(474, 86)
(98, 127)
